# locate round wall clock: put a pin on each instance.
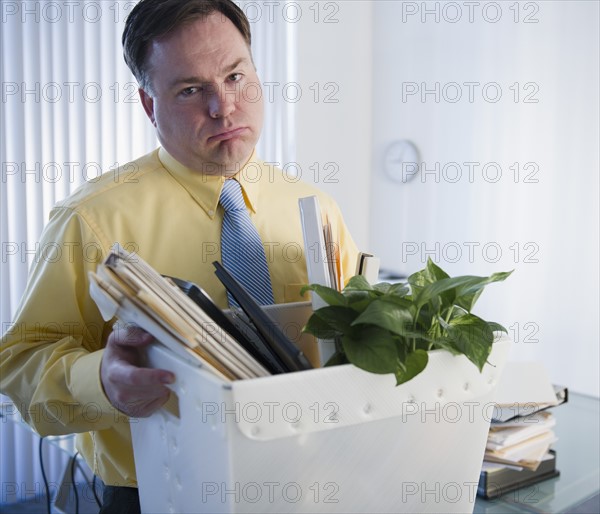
(401, 161)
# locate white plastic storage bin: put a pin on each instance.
(335, 439)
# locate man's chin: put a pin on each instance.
(231, 160)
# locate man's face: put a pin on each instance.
(206, 100)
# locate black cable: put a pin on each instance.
(73, 461)
(48, 503)
(95, 493)
(96, 497)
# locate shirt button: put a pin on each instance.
(211, 213)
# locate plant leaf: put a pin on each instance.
(400, 301)
(358, 283)
(468, 293)
(382, 287)
(466, 289)
(472, 336)
(399, 290)
(430, 274)
(387, 315)
(496, 327)
(319, 327)
(446, 344)
(414, 363)
(359, 300)
(427, 276)
(373, 349)
(327, 294)
(327, 322)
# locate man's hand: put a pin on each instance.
(135, 391)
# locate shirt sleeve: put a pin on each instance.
(51, 353)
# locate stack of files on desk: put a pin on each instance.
(521, 442)
(518, 450)
(498, 479)
(184, 319)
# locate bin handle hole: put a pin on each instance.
(172, 405)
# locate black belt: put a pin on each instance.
(120, 500)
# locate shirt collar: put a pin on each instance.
(206, 189)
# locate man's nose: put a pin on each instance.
(222, 101)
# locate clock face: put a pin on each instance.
(401, 161)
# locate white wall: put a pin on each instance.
(544, 224)
(545, 228)
(334, 127)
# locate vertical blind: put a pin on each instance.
(70, 111)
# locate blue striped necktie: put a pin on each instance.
(242, 251)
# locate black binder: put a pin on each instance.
(493, 484)
(278, 342)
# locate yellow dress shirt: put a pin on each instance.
(170, 216)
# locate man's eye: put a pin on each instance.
(235, 77)
(188, 91)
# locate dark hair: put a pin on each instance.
(152, 19)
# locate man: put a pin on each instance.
(65, 368)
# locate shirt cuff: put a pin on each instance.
(86, 387)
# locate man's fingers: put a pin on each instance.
(131, 376)
(134, 390)
(139, 392)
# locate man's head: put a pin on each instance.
(198, 82)
(152, 19)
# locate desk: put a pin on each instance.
(578, 460)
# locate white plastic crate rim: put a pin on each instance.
(335, 439)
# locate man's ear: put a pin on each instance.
(148, 103)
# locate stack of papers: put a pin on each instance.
(127, 288)
(522, 441)
(519, 446)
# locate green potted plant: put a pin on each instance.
(389, 328)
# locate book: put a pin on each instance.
(497, 479)
(317, 245)
(315, 248)
(368, 266)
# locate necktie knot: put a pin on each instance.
(231, 196)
